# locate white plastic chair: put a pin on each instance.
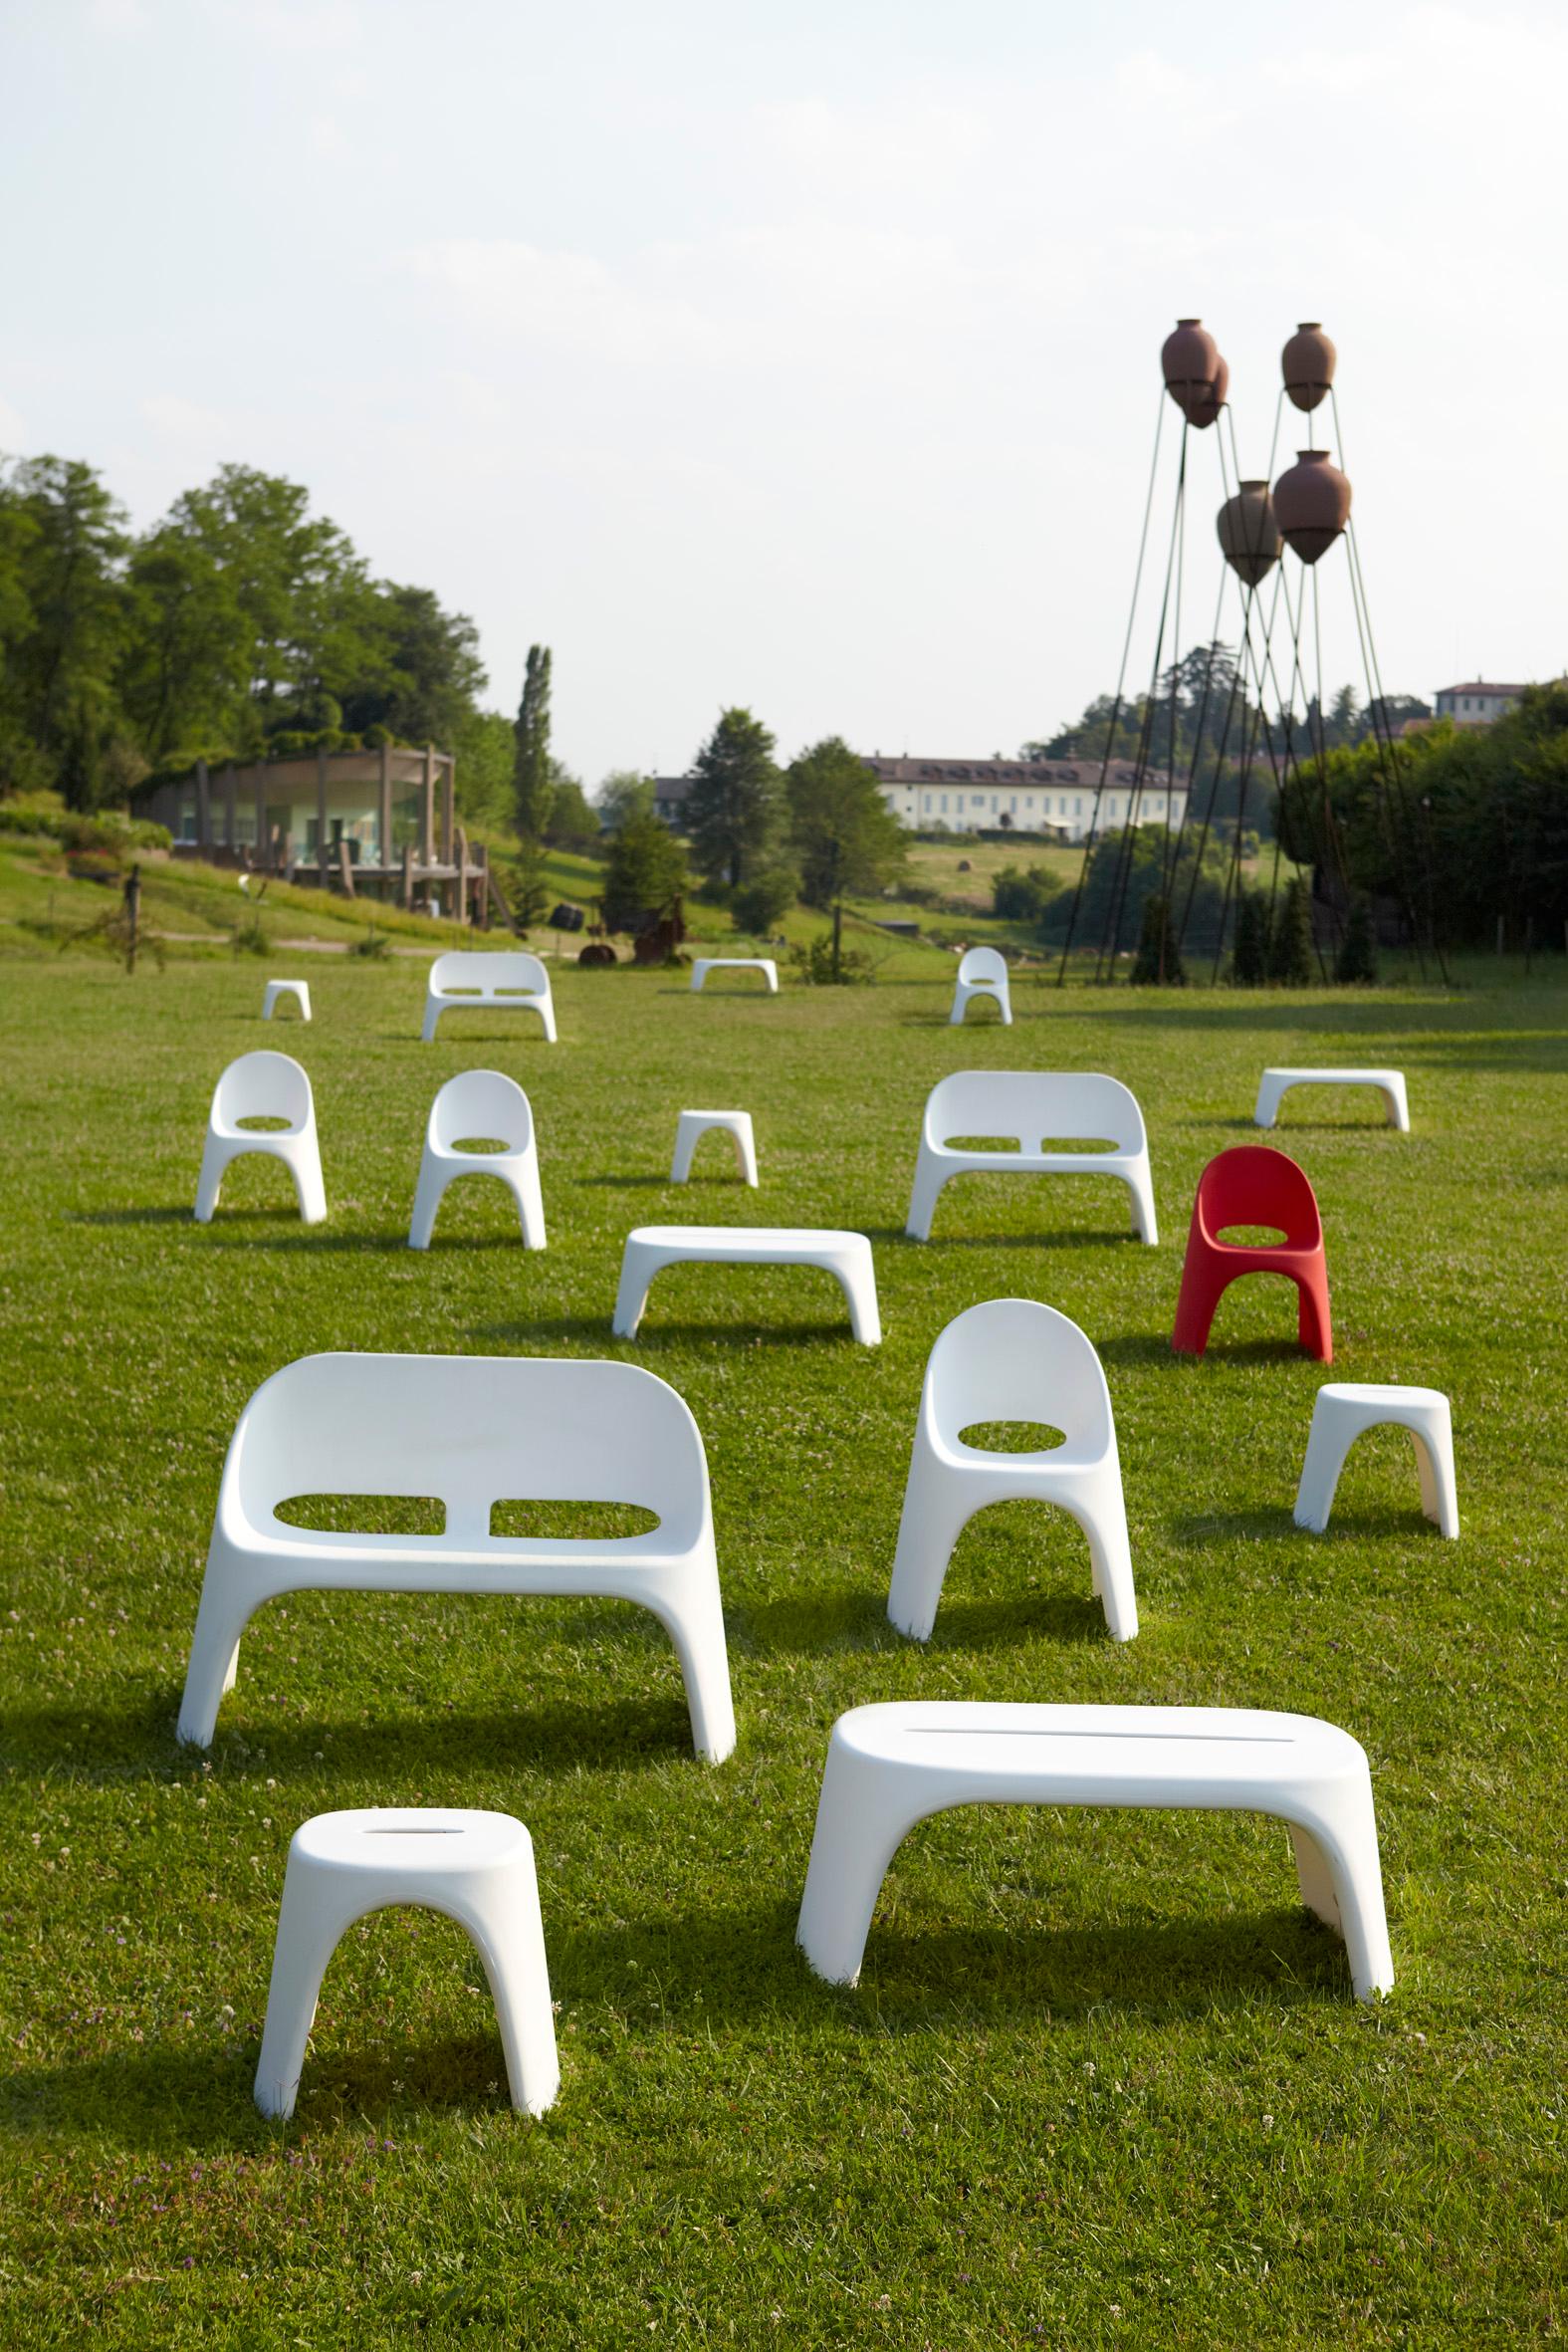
(504, 980)
(982, 972)
(471, 1431)
(263, 1086)
(1031, 1107)
(692, 1125)
(1343, 1409)
(889, 1766)
(1011, 1359)
(275, 992)
(476, 1868)
(845, 1255)
(480, 1103)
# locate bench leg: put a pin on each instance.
(529, 1197)
(1140, 1183)
(861, 1820)
(930, 1176)
(936, 1508)
(1328, 1443)
(637, 1270)
(312, 1919)
(857, 1277)
(1435, 1467)
(222, 1615)
(1341, 1880)
(546, 1013)
(433, 1012)
(304, 1158)
(1100, 1510)
(690, 1609)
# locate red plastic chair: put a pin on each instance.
(1252, 1185)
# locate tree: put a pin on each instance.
(844, 836)
(623, 795)
(1249, 959)
(1159, 959)
(574, 821)
(1290, 958)
(734, 810)
(530, 773)
(644, 875)
(766, 894)
(67, 606)
(1356, 964)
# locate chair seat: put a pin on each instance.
(746, 1244)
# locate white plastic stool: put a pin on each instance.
(477, 1868)
(693, 1124)
(300, 989)
(480, 1102)
(889, 1766)
(763, 963)
(1011, 1359)
(263, 1086)
(845, 1255)
(1274, 1084)
(1343, 1409)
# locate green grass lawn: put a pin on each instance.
(1102, 2082)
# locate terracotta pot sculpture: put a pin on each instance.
(1195, 377)
(1311, 504)
(1248, 533)
(1308, 365)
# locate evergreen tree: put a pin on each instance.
(1249, 961)
(574, 821)
(735, 810)
(533, 789)
(644, 874)
(624, 794)
(1356, 964)
(1159, 958)
(1292, 963)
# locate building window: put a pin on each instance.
(1077, 808)
(187, 817)
(977, 800)
(927, 804)
(944, 804)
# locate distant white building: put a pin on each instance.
(1476, 703)
(1050, 799)
(1053, 798)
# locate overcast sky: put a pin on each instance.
(803, 354)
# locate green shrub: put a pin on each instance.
(1292, 963)
(815, 965)
(757, 904)
(1356, 964)
(1249, 958)
(1020, 897)
(1159, 957)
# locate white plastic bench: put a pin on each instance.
(1011, 1359)
(703, 965)
(1276, 1084)
(263, 1086)
(692, 1125)
(846, 1256)
(1343, 1409)
(470, 1431)
(891, 1765)
(480, 1103)
(982, 972)
(276, 990)
(476, 1868)
(1029, 1107)
(484, 980)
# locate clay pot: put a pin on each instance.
(1194, 375)
(1311, 504)
(1308, 365)
(1248, 533)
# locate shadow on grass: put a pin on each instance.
(745, 1965)
(628, 1183)
(180, 1215)
(1060, 1239)
(1388, 1521)
(106, 1745)
(655, 1337)
(832, 1619)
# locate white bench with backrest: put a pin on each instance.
(470, 1432)
(483, 980)
(1276, 1084)
(891, 1765)
(845, 1255)
(1032, 1108)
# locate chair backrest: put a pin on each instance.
(481, 1103)
(1035, 1106)
(471, 1431)
(1252, 1185)
(983, 966)
(494, 972)
(1015, 1359)
(262, 1085)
